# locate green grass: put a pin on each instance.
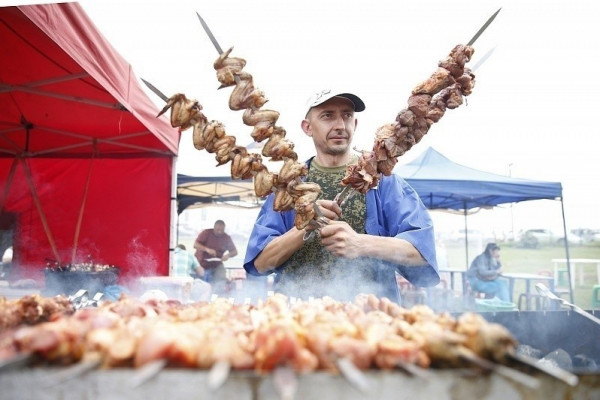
(518, 259)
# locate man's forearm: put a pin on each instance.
(397, 251)
(279, 250)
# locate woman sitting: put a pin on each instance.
(484, 273)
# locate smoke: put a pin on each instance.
(141, 259)
(141, 262)
(342, 280)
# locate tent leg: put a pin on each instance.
(466, 240)
(11, 174)
(81, 209)
(38, 205)
(174, 216)
(571, 294)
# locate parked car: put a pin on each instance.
(459, 235)
(595, 236)
(533, 238)
(587, 235)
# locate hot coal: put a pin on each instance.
(558, 358)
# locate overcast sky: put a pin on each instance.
(532, 113)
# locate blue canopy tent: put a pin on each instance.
(444, 184)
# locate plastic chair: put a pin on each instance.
(562, 279)
(539, 301)
(410, 294)
(596, 296)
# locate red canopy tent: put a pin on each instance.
(86, 168)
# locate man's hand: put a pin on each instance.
(225, 257)
(330, 209)
(210, 251)
(341, 240)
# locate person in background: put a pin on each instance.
(484, 273)
(186, 264)
(6, 263)
(384, 232)
(213, 248)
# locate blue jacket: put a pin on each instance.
(393, 210)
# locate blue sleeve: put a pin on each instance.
(394, 209)
(269, 225)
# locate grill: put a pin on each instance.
(69, 281)
(548, 331)
(562, 332)
(37, 384)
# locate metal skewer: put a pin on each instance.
(414, 370)
(509, 373)
(218, 374)
(286, 382)
(353, 374)
(344, 195)
(74, 371)
(483, 28)
(214, 41)
(147, 372)
(555, 372)
(341, 199)
(18, 361)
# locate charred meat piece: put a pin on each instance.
(184, 111)
(440, 79)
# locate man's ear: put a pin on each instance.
(305, 125)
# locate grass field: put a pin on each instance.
(518, 259)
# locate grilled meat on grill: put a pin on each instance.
(305, 336)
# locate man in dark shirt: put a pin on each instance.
(213, 247)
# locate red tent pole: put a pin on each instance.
(82, 208)
(38, 205)
(11, 174)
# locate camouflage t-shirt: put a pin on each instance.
(312, 270)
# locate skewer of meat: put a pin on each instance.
(211, 136)
(430, 99)
(290, 192)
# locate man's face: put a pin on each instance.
(219, 229)
(331, 126)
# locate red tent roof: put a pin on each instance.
(86, 168)
(67, 92)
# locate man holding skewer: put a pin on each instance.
(360, 250)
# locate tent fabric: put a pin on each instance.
(443, 184)
(197, 191)
(85, 165)
(125, 219)
(64, 91)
